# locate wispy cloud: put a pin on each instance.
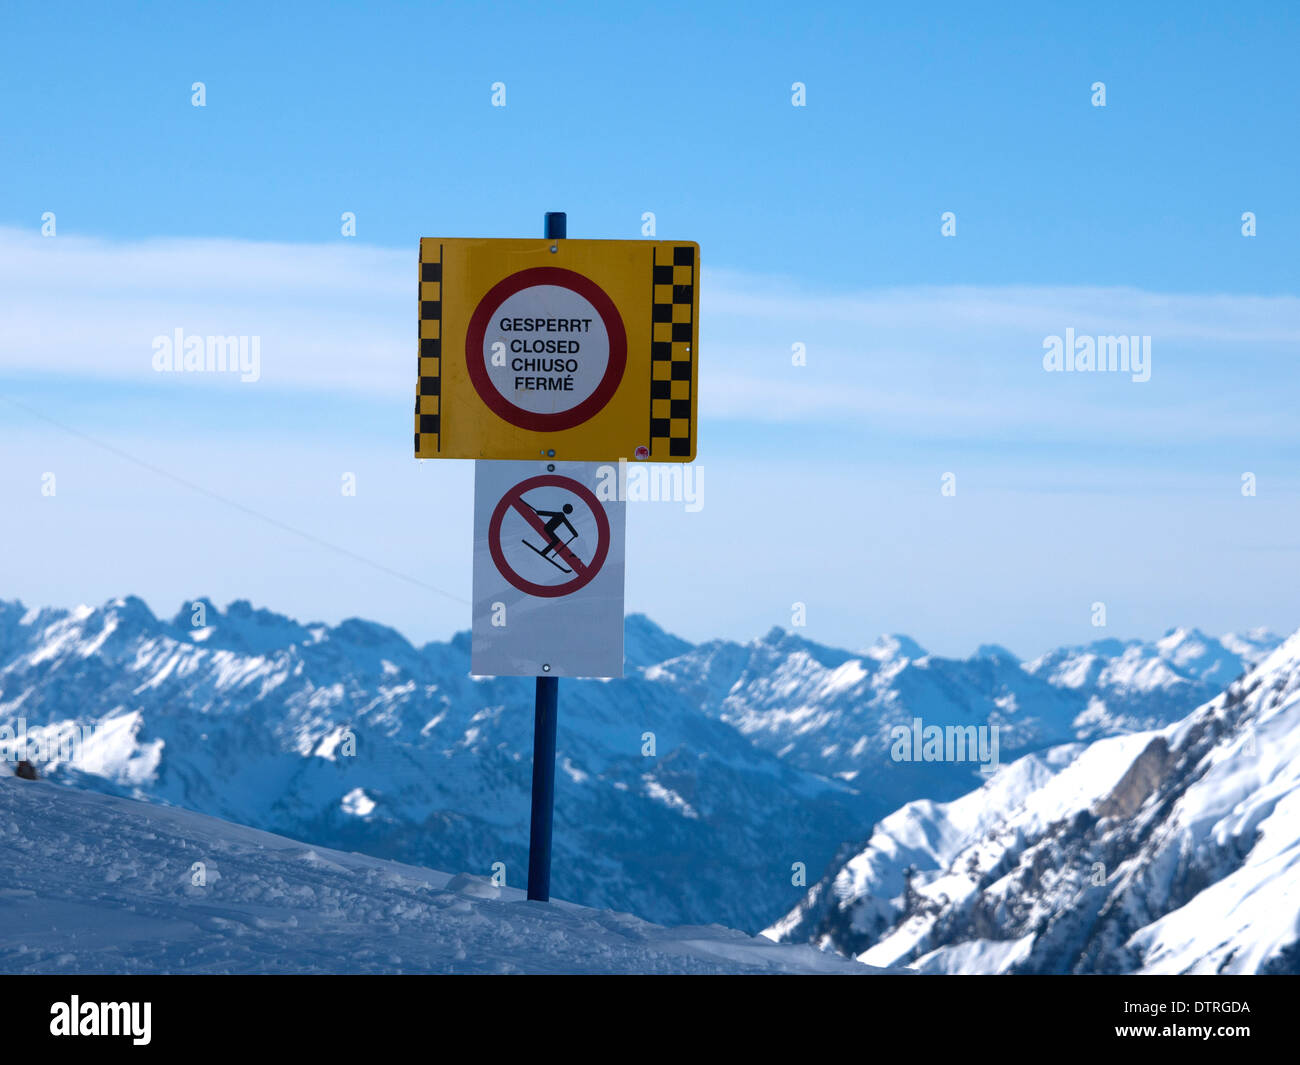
(330, 316)
(340, 317)
(1032, 308)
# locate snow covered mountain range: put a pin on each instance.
(833, 712)
(1170, 850)
(687, 792)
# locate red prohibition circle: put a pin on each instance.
(515, 498)
(476, 364)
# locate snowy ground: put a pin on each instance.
(93, 883)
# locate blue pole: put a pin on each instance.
(557, 225)
(539, 837)
(545, 718)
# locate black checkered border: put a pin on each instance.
(671, 351)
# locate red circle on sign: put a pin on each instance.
(477, 366)
(515, 498)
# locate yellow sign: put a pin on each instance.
(578, 350)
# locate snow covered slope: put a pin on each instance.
(1172, 850)
(98, 884)
(686, 792)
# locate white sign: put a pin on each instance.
(548, 571)
(547, 349)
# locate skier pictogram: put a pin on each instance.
(551, 515)
(556, 519)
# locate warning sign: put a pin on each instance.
(548, 571)
(549, 534)
(557, 349)
(546, 349)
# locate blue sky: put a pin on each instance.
(818, 225)
(682, 109)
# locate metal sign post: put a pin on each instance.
(551, 362)
(545, 718)
(546, 715)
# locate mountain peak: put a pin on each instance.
(997, 652)
(130, 608)
(240, 627)
(1253, 645)
(1182, 634)
(895, 646)
(200, 609)
(647, 644)
(362, 633)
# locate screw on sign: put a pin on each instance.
(546, 510)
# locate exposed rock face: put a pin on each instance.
(1141, 779)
